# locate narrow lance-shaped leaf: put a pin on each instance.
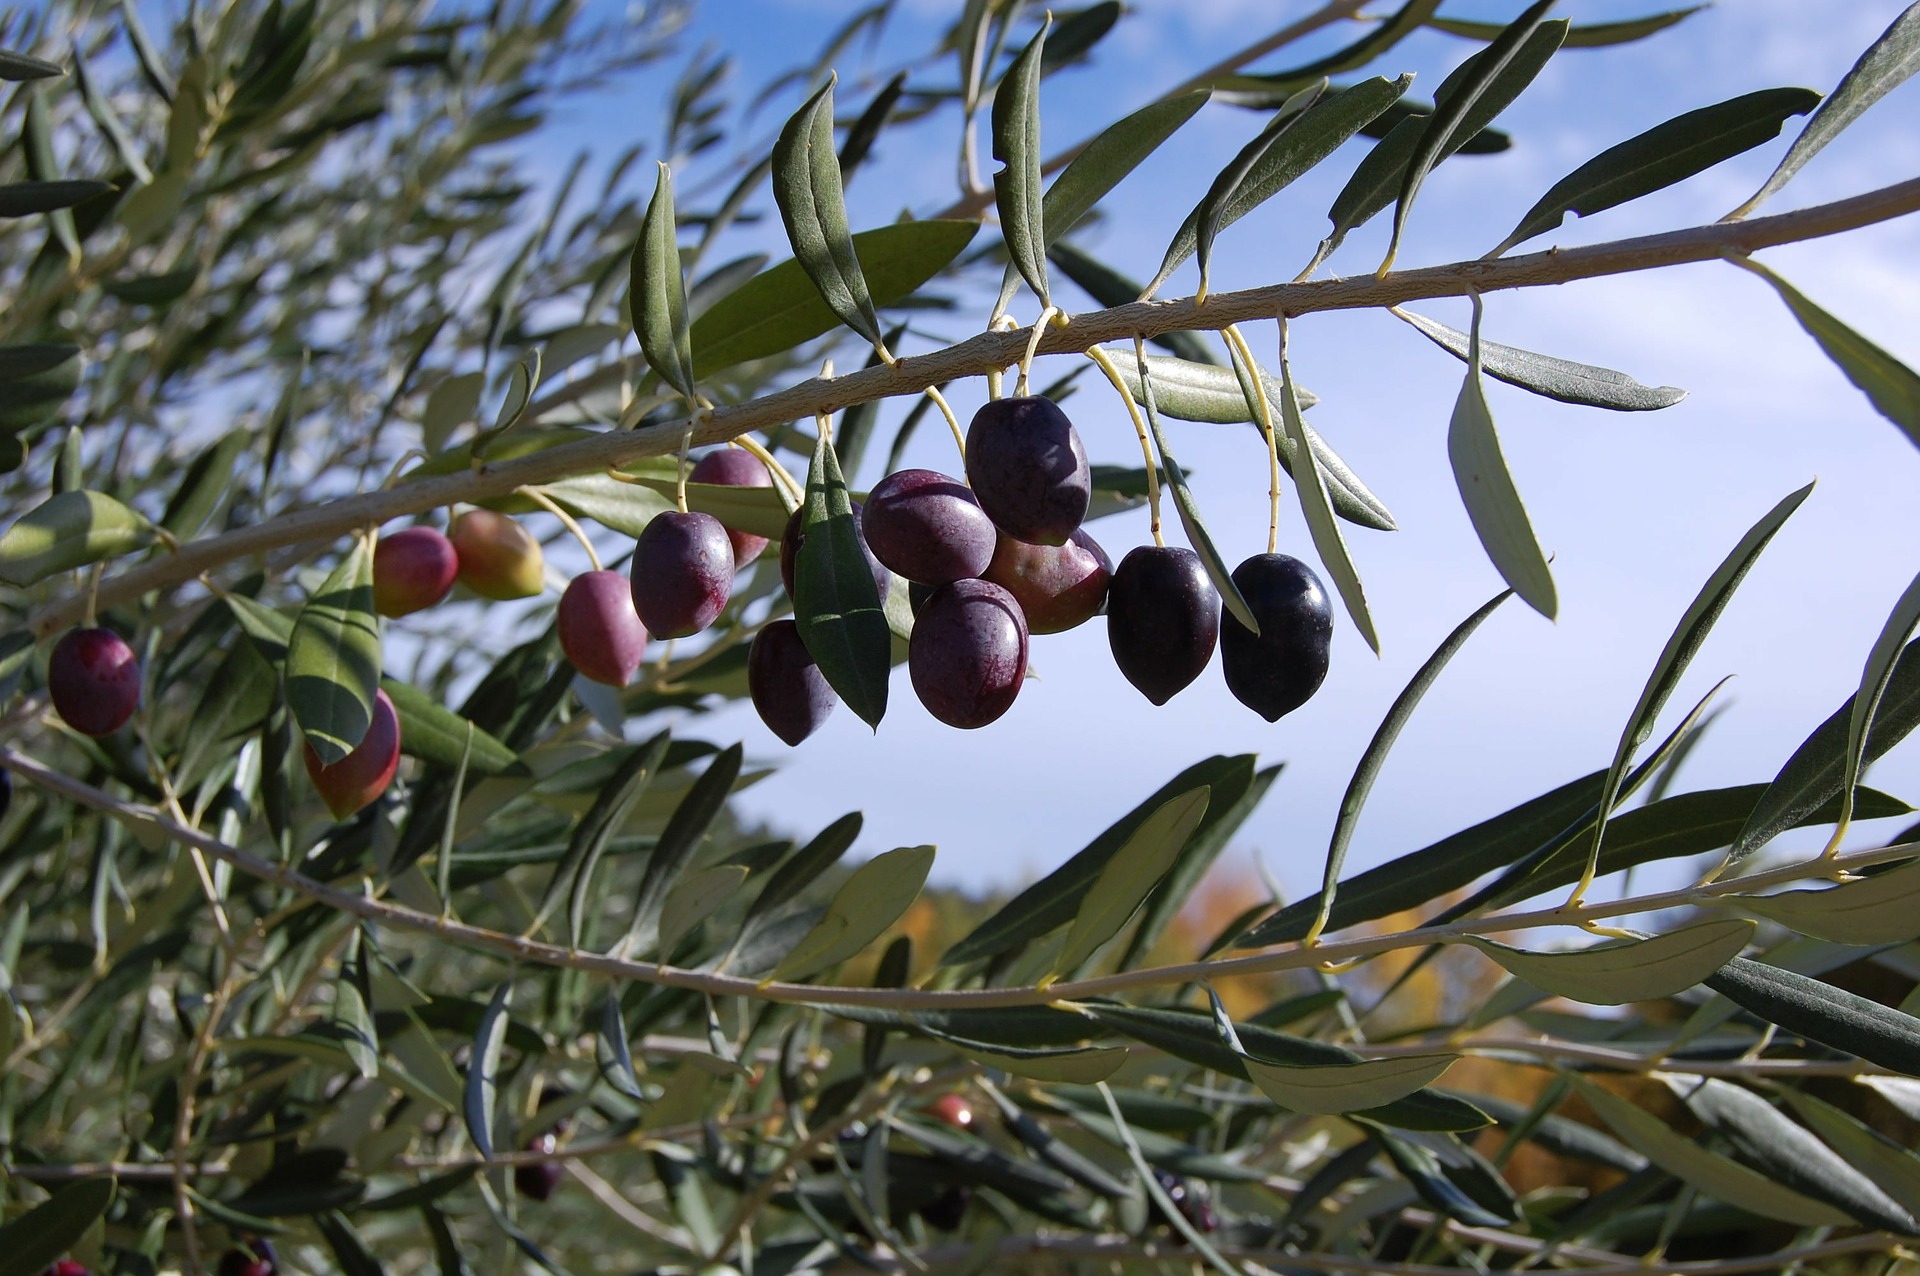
(1487, 490)
(806, 186)
(1016, 144)
(1894, 1169)
(1873, 686)
(835, 603)
(1888, 63)
(28, 199)
(1891, 385)
(1396, 27)
(1335, 1089)
(870, 901)
(1625, 971)
(353, 1008)
(1227, 809)
(1166, 1205)
(1204, 223)
(1361, 785)
(1188, 506)
(685, 829)
(1447, 128)
(23, 66)
(1591, 36)
(71, 530)
(1561, 379)
(1681, 647)
(1881, 909)
(1317, 507)
(1662, 156)
(573, 874)
(692, 900)
(40, 1237)
(1130, 876)
(612, 1051)
(1821, 1012)
(483, 1071)
(659, 292)
(333, 658)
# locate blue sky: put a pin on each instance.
(1638, 509)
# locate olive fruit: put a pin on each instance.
(600, 632)
(67, 1267)
(6, 791)
(1028, 469)
(732, 467)
(789, 692)
(365, 773)
(795, 536)
(1190, 1197)
(927, 527)
(1057, 586)
(1277, 670)
(1163, 617)
(536, 1180)
(94, 679)
(499, 559)
(968, 653)
(251, 1258)
(682, 573)
(953, 1109)
(412, 570)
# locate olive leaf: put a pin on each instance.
(1317, 507)
(1130, 876)
(1335, 1089)
(659, 291)
(1881, 909)
(1016, 144)
(807, 187)
(1542, 374)
(38, 1238)
(70, 530)
(1623, 971)
(871, 900)
(836, 604)
(333, 658)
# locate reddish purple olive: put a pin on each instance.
(364, 774)
(67, 1267)
(254, 1257)
(795, 536)
(789, 692)
(6, 791)
(1058, 586)
(734, 467)
(968, 653)
(536, 1180)
(499, 559)
(1028, 469)
(928, 527)
(682, 573)
(1277, 670)
(94, 679)
(412, 570)
(600, 632)
(1163, 617)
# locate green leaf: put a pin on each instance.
(29, 199)
(1336, 1089)
(1542, 374)
(612, 1052)
(760, 511)
(1382, 743)
(1452, 123)
(353, 1008)
(1227, 809)
(1763, 1137)
(1382, 172)
(1054, 900)
(1888, 63)
(1449, 1176)
(1815, 772)
(806, 186)
(1821, 1012)
(660, 292)
(1488, 492)
(333, 658)
(450, 405)
(1289, 147)
(693, 899)
(1593, 36)
(1881, 909)
(870, 901)
(1892, 1168)
(37, 1239)
(1130, 876)
(573, 874)
(1072, 1067)
(800, 871)
(1168, 1209)
(1715, 1175)
(1684, 643)
(153, 290)
(204, 485)
(1873, 687)
(482, 1096)
(35, 380)
(437, 735)
(349, 1250)
(22, 66)
(685, 829)
(1210, 215)
(1317, 507)
(1662, 156)
(1892, 387)
(1625, 971)
(779, 308)
(1390, 31)
(835, 603)
(1184, 501)
(1016, 144)
(1115, 152)
(71, 530)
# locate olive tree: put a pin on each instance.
(339, 931)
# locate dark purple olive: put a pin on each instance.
(928, 527)
(94, 679)
(6, 791)
(968, 654)
(1163, 617)
(948, 1210)
(682, 573)
(795, 536)
(1278, 670)
(1190, 1197)
(1057, 586)
(1028, 469)
(734, 467)
(536, 1180)
(253, 1257)
(789, 691)
(599, 630)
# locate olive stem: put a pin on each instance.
(1033, 345)
(1237, 348)
(539, 497)
(778, 472)
(1105, 364)
(953, 422)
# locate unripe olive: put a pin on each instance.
(365, 773)
(94, 680)
(499, 559)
